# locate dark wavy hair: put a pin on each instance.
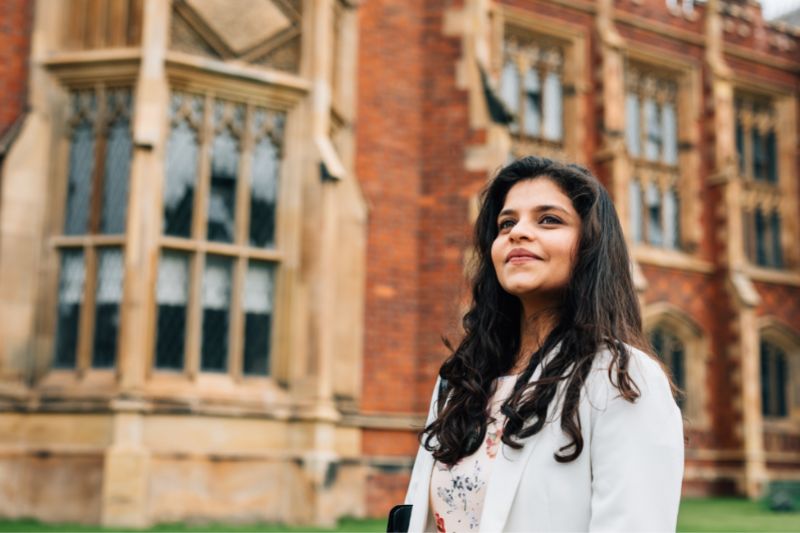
(598, 309)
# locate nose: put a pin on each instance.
(522, 230)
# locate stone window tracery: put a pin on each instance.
(531, 87)
(215, 291)
(757, 157)
(92, 237)
(651, 139)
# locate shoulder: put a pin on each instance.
(644, 370)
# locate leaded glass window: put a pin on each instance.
(774, 380)
(110, 270)
(70, 300)
(172, 300)
(673, 352)
(216, 313)
(531, 87)
(221, 235)
(651, 138)
(757, 154)
(258, 298)
(91, 247)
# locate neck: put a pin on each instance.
(537, 321)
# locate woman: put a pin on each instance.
(551, 414)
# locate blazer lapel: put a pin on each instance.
(505, 478)
(507, 472)
(423, 467)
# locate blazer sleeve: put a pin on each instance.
(416, 472)
(636, 452)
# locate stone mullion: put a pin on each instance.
(239, 273)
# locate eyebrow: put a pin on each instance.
(538, 208)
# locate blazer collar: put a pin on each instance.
(507, 472)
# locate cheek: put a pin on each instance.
(497, 255)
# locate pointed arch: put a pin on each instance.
(779, 356)
(688, 355)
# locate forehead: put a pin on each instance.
(535, 192)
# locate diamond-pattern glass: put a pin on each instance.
(110, 271)
(216, 313)
(554, 111)
(172, 297)
(532, 118)
(258, 301)
(118, 162)
(224, 171)
(181, 166)
(70, 299)
(264, 179)
(81, 163)
(509, 91)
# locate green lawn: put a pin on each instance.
(720, 514)
(728, 514)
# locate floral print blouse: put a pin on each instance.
(458, 491)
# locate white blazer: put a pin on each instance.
(628, 477)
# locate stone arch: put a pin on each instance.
(696, 343)
(787, 339)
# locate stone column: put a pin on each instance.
(743, 349)
(125, 473)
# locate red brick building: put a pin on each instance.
(15, 18)
(719, 284)
(231, 238)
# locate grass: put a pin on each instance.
(345, 525)
(696, 515)
(732, 514)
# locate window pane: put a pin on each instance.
(172, 297)
(669, 134)
(748, 224)
(553, 114)
(216, 311)
(740, 146)
(759, 155)
(671, 218)
(781, 377)
(70, 299)
(761, 237)
(636, 210)
(81, 163)
(671, 350)
(118, 162)
(533, 103)
(181, 167)
(775, 245)
(652, 146)
(654, 230)
(772, 158)
(765, 379)
(264, 178)
(110, 271)
(224, 169)
(509, 91)
(258, 301)
(632, 134)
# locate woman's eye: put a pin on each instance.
(505, 224)
(549, 219)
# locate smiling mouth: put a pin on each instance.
(520, 259)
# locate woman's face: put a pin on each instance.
(538, 232)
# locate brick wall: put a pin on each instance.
(15, 26)
(413, 131)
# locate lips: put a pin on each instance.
(521, 255)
